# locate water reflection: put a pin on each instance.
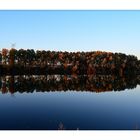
(42, 83)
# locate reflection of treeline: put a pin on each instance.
(42, 83)
(56, 62)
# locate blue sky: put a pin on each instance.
(116, 31)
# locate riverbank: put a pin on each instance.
(32, 62)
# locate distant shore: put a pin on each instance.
(24, 62)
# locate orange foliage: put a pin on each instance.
(4, 52)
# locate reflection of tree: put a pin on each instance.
(42, 83)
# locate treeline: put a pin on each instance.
(56, 62)
(92, 83)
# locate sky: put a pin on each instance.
(115, 31)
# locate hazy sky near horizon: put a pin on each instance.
(116, 31)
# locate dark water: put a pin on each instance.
(70, 110)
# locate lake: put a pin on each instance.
(69, 103)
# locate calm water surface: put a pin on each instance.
(71, 110)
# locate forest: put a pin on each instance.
(41, 62)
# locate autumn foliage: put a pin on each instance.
(56, 62)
